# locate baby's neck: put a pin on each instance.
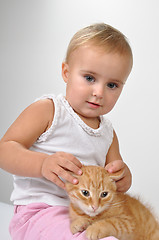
(91, 122)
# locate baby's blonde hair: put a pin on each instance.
(101, 35)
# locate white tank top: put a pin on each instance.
(68, 133)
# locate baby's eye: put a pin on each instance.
(89, 78)
(112, 85)
(103, 194)
(85, 193)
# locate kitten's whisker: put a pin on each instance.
(117, 204)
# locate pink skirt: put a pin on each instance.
(39, 221)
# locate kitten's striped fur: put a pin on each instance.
(98, 208)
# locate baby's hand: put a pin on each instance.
(125, 182)
(58, 165)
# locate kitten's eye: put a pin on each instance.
(89, 78)
(85, 193)
(103, 194)
(112, 85)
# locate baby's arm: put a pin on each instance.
(15, 156)
(114, 163)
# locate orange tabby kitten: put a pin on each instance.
(98, 208)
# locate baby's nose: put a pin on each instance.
(98, 91)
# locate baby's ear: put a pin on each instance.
(117, 175)
(65, 72)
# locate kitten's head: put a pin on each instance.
(95, 191)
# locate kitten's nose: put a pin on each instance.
(94, 207)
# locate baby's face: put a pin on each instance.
(94, 80)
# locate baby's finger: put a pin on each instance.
(71, 163)
(74, 160)
(55, 179)
(115, 166)
(64, 174)
(73, 168)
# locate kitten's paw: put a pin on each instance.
(79, 225)
(94, 233)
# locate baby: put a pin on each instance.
(57, 134)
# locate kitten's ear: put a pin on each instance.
(117, 175)
(68, 187)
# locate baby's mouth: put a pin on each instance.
(93, 105)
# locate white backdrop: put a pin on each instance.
(34, 35)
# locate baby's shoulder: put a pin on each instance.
(44, 104)
(45, 108)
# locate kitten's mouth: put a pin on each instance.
(93, 212)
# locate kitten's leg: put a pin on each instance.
(119, 228)
(80, 224)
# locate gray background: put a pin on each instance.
(34, 35)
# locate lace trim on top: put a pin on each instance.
(104, 123)
(93, 132)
